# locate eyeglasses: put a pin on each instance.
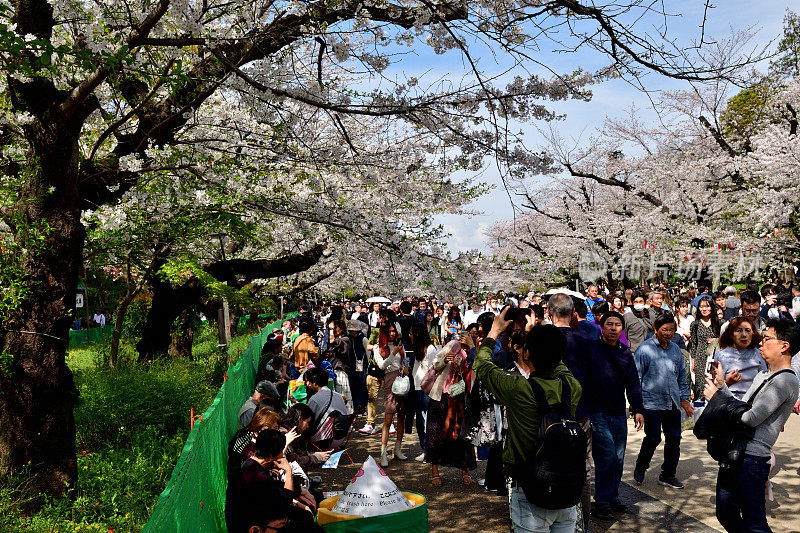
(765, 338)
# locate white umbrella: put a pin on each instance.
(378, 299)
(564, 290)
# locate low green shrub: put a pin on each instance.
(131, 423)
(117, 488)
(115, 405)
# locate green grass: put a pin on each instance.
(131, 426)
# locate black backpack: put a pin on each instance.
(553, 476)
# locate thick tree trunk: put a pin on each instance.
(165, 308)
(37, 390)
(169, 301)
(183, 335)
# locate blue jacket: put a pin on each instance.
(589, 303)
(663, 375)
(590, 329)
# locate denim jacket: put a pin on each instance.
(663, 375)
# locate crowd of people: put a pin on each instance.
(484, 376)
(100, 318)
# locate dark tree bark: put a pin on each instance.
(170, 301)
(37, 392)
(122, 312)
(183, 334)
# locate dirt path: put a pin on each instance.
(451, 507)
(468, 508)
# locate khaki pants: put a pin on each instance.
(373, 388)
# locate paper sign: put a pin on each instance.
(371, 493)
(333, 460)
(79, 300)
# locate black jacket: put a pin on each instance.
(720, 424)
(722, 413)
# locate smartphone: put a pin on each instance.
(712, 367)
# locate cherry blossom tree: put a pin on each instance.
(292, 110)
(708, 191)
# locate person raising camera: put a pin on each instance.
(548, 386)
(741, 502)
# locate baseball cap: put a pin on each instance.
(268, 388)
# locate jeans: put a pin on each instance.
(609, 433)
(422, 416)
(654, 422)
(526, 517)
(411, 408)
(741, 502)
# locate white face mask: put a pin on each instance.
(638, 307)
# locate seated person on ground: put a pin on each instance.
(322, 400)
(268, 470)
(270, 366)
(254, 516)
(243, 444)
(265, 395)
(301, 417)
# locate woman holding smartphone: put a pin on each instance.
(739, 356)
(704, 331)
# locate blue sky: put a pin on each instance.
(611, 98)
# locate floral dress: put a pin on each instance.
(698, 346)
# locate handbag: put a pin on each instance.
(458, 388)
(426, 385)
(711, 349)
(401, 386)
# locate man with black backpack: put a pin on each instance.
(545, 448)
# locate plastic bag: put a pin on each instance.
(401, 386)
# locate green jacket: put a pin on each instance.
(516, 394)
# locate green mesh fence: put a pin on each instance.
(194, 499)
(82, 336)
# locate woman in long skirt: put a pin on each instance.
(444, 444)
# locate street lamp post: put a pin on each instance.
(223, 314)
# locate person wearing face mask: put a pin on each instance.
(638, 321)
(739, 356)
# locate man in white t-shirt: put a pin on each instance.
(99, 318)
(472, 314)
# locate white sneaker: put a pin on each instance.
(391, 429)
(368, 429)
(420, 457)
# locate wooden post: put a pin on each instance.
(223, 323)
(86, 303)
